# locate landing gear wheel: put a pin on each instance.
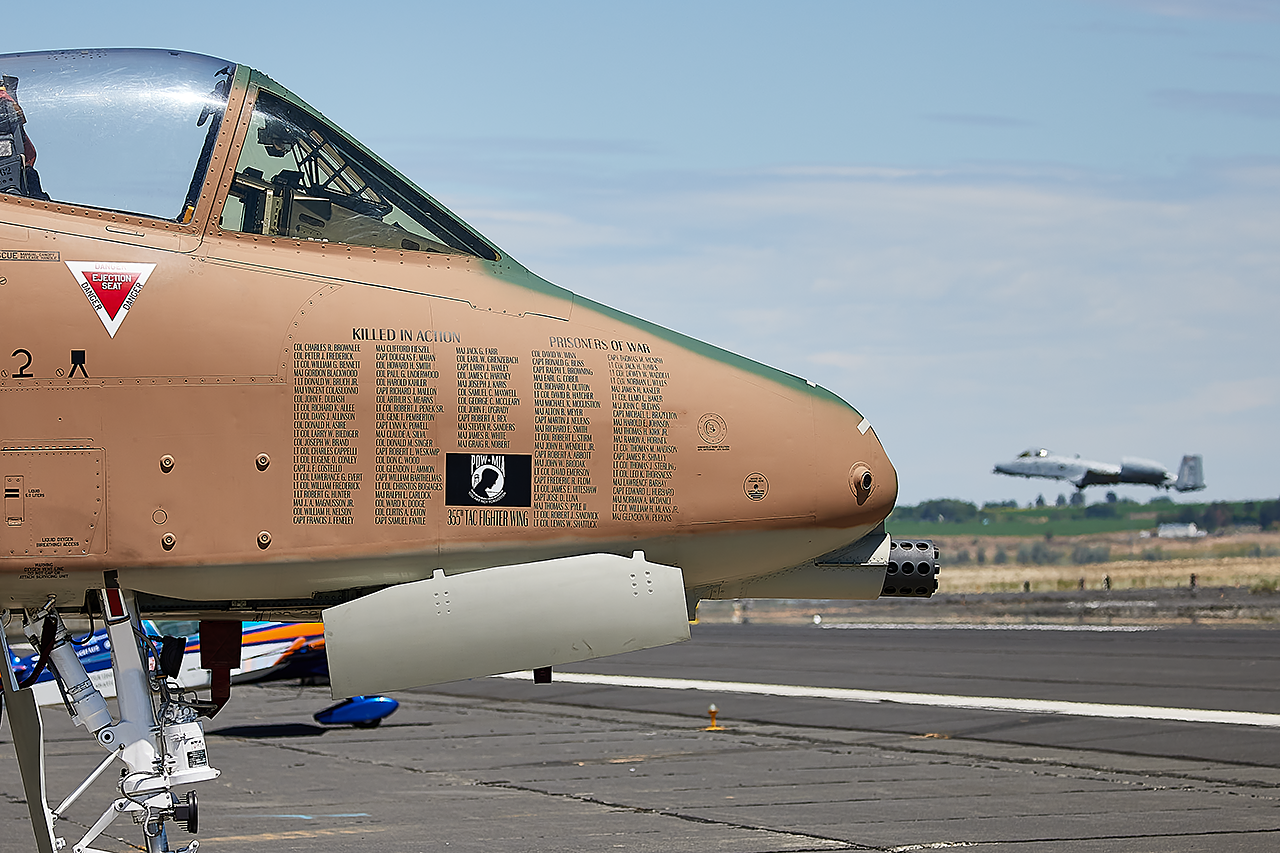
(186, 812)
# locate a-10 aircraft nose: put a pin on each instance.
(860, 484)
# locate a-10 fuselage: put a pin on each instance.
(236, 404)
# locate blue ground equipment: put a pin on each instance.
(363, 712)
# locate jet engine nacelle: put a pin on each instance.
(502, 619)
(1143, 472)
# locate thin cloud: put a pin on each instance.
(979, 120)
(1119, 28)
(556, 234)
(1006, 304)
(535, 146)
(1248, 56)
(854, 172)
(846, 361)
(1234, 396)
(1237, 10)
(1262, 105)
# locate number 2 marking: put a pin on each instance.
(22, 371)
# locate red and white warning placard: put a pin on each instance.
(112, 288)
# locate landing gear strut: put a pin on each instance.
(158, 737)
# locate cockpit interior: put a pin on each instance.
(133, 131)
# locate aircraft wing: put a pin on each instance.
(1079, 472)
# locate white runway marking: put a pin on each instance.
(976, 626)
(937, 700)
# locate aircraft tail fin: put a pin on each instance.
(1190, 474)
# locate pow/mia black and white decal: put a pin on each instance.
(488, 479)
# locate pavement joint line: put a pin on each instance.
(1116, 775)
(1075, 839)
(957, 751)
(941, 700)
(960, 752)
(843, 844)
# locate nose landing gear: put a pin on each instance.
(158, 738)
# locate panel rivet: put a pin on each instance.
(263, 461)
(167, 541)
(166, 463)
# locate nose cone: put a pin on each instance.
(857, 484)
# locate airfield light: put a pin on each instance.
(713, 710)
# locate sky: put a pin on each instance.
(987, 225)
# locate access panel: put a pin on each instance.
(54, 502)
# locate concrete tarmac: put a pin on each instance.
(498, 764)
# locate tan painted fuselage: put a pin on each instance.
(275, 418)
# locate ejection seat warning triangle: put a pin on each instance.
(112, 288)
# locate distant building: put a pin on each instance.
(1180, 531)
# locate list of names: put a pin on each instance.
(325, 433)
(643, 463)
(563, 404)
(407, 471)
(487, 402)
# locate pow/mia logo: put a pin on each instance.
(488, 479)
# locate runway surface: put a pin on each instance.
(834, 740)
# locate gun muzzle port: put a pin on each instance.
(860, 481)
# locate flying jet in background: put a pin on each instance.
(248, 371)
(1039, 462)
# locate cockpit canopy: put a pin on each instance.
(133, 130)
(300, 177)
(119, 129)
(1031, 452)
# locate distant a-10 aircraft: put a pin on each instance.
(1039, 462)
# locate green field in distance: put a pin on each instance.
(954, 517)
